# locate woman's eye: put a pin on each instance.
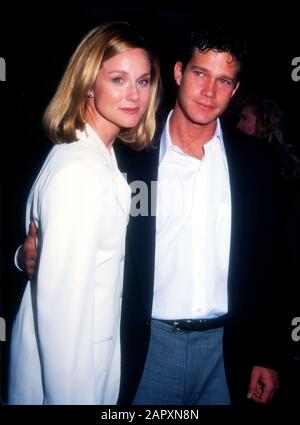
(144, 82)
(117, 80)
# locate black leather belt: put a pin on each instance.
(196, 325)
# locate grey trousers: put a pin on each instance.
(184, 368)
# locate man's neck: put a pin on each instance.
(190, 136)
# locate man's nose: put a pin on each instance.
(208, 89)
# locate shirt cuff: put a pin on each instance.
(16, 259)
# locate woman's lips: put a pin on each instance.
(130, 111)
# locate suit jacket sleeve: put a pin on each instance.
(68, 231)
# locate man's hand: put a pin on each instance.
(27, 256)
(263, 384)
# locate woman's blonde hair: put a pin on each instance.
(65, 113)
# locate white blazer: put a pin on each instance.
(65, 346)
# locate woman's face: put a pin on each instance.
(121, 92)
(247, 122)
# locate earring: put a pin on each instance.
(90, 94)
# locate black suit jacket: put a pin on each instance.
(251, 332)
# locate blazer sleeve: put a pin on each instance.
(70, 210)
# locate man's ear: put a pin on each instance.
(178, 72)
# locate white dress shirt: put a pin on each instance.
(193, 227)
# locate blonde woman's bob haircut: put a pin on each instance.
(65, 113)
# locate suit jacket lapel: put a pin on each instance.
(141, 169)
(234, 163)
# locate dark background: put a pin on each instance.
(37, 42)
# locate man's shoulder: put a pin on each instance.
(246, 144)
(124, 151)
(234, 136)
(129, 159)
(251, 153)
(138, 165)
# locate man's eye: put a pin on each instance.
(226, 82)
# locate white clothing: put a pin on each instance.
(193, 229)
(65, 345)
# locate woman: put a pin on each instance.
(261, 117)
(65, 340)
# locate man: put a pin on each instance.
(200, 282)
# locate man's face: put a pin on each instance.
(206, 85)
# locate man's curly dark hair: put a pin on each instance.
(217, 38)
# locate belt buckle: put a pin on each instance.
(175, 324)
(187, 325)
(183, 327)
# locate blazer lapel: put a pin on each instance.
(120, 191)
(234, 164)
(141, 169)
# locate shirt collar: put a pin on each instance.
(167, 144)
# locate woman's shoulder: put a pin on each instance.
(73, 160)
(78, 152)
